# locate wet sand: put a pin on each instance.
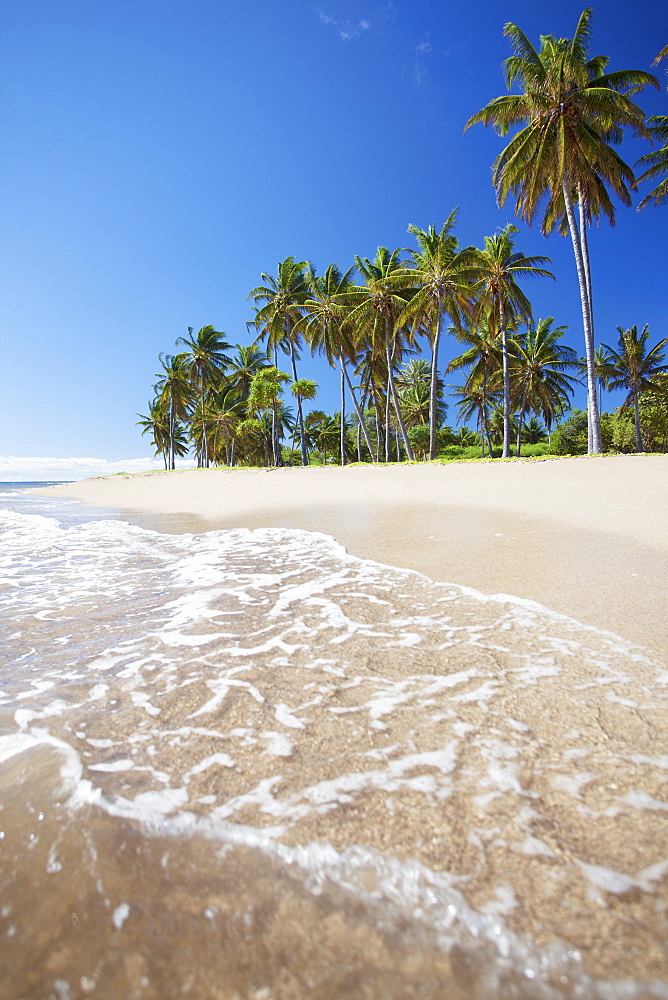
(587, 537)
(516, 757)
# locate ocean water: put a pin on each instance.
(245, 764)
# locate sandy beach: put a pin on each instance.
(248, 758)
(587, 537)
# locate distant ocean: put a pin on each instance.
(244, 764)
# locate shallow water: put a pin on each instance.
(245, 764)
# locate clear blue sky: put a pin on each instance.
(157, 157)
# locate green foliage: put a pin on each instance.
(419, 437)
(304, 388)
(570, 438)
(653, 411)
(265, 389)
(535, 450)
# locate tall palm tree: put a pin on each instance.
(657, 126)
(376, 305)
(441, 285)
(484, 361)
(538, 372)
(206, 360)
(157, 425)
(572, 112)
(327, 331)
(283, 297)
(632, 367)
(494, 273)
(175, 394)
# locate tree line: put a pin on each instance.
(560, 165)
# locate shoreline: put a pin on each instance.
(585, 537)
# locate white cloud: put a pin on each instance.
(346, 30)
(421, 62)
(15, 469)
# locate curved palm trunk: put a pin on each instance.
(432, 385)
(506, 379)
(360, 418)
(205, 445)
(393, 390)
(587, 273)
(594, 420)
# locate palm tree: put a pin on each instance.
(243, 366)
(632, 367)
(206, 360)
(413, 383)
(534, 432)
(376, 306)
(475, 399)
(601, 368)
(657, 126)
(484, 361)
(304, 388)
(327, 331)
(284, 298)
(572, 112)
(494, 272)
(538, 376)
(224, 413)
(175, 394)
(441, 288)
(156, 424)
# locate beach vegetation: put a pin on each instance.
(633, 367)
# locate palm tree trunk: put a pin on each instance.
(520, 421)
(636, 414)
(274, 419)
(587, 272)
(393, 390)
(506, 379)
(387, 420)
(343, 418)
(360, 417)
(205, 448)
(485, 418)
(171, 433)
(595, 448)
(432, 385)
(300, 415)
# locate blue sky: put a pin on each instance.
(156, 158)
